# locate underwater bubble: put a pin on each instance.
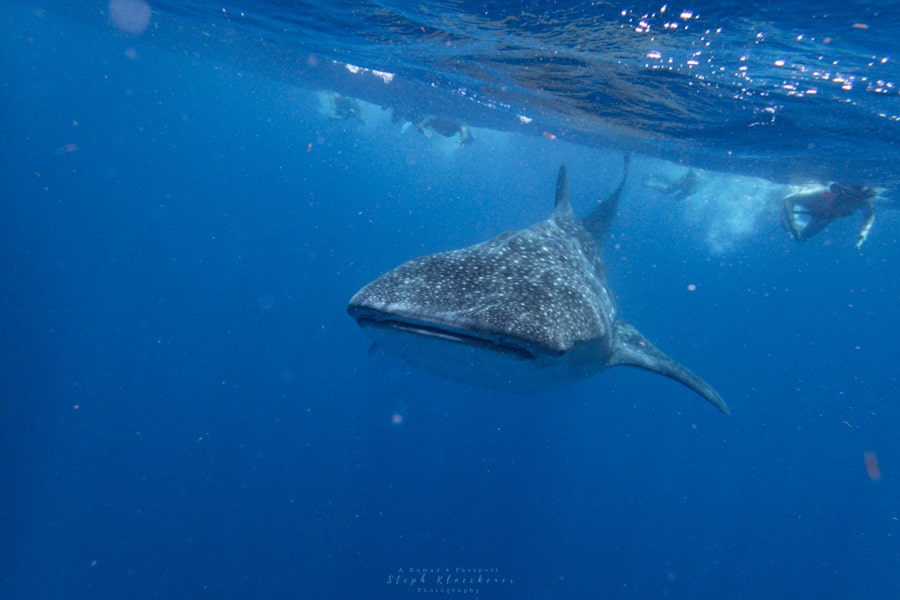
(130, 16)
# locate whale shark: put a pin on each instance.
(527, 311)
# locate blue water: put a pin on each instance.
(187, 411)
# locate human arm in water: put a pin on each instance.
(867, 225)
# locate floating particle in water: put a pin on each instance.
(265, 301)
(130, 16)
(872, 468)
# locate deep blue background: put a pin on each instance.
(187, 411)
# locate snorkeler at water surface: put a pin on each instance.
(809, 210)
(428, 124)
(680, 188)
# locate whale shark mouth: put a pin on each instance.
(389, 322)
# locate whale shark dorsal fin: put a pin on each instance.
(561, 205)
(633, 349)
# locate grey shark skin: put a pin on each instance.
(529, 310)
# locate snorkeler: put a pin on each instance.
(809, 210)
(343, 108)
(681, 188)
(430, 124)
(446, 128)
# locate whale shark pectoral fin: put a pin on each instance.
(632, 348)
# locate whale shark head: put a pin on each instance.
(528, 310)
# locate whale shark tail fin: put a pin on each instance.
(600, 220)
(633, 349)
(561, 205)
